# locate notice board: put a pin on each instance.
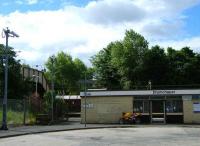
(196, 107)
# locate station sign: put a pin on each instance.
(88, 106)
(163, 92)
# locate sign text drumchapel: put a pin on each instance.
(161, 92)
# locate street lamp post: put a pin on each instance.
(85, 82)
(8, 34)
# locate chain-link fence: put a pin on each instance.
(34, 111)
(18, 112)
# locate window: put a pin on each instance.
(138, 106)
(141, 97)
(146, 106)
(157, 98)
(141, 106)
(174, 106)
(174, 97)
(195, 97)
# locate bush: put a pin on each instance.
(61, 108)
(47, 103)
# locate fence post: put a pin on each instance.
(24, 122)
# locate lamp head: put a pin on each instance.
(10, 33)
(14, 34)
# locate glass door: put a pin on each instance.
(157, 111)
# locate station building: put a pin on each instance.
(164, 106)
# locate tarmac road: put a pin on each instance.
(136, 136)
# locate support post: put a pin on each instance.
(24, 120)
(85, 100)
(4, 120)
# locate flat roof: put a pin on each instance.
(142, 93)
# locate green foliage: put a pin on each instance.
(13, 117)
(65, 72)
(155, 66)
(130, 64)
(17, 87)
(17, 117)
(47, 102)
(61, 108)
(184, 66)
(80, 68)
(128, 58)
(105, 72)
(120, 64)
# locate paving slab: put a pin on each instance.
(25, 130)
(143, 135)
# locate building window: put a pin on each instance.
(141, 106)
(174, 106)
(195, 97)
(174, 97)
(138, 106)
(146, 106)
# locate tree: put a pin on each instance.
(120, 64)
(155, 66)
(80, 68)
(67, 73)
(105, 73)
(184, 66)
(127, 57)
(17, 86)
(130, 64)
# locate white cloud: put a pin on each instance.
(83, 31)
(31, 2)
(109, 11)
(193, 43)
(164, 18)
(164, 30)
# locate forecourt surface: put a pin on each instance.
(141, 136)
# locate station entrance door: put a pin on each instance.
(157, 111)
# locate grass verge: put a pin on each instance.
(17, 118)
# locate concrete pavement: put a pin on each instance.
(70, 125)
(24, 130)
(156, 135)
(73, 124)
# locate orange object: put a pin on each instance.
(130, 117)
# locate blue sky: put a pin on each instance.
(193, 20)
(83, 27)
(8, 6)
